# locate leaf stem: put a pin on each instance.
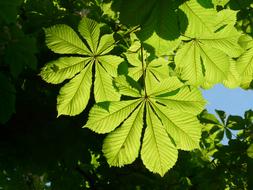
(143, 71)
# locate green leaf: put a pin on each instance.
(246, 42)
(110, 63)
(103, 87)
(186, 100)
(106, 44)
(222, 115)
(235, 122)
(220, 2)
(7, 99)
(201, 62)
(200, 19)
(63, 39)
(127, 86)
(158, 152)
(228, 134)
(74, 95)
(226, 40)
(206, 117)
(245, 67)
(165, 86)
(216, 64)
(159, 68)
(189, 64)
(233, 79)
(156, 16)
(183, 128)
(57, 71)
(90, 31)
(122, 146)
(161, 46)
(105, 120)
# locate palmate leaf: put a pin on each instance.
(75, 95)
(157, 67)
(169, 126)
(211, 40)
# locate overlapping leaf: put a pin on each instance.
(157, 67)
(75, 95)
(169, 125)
(158, 20)
(244, 64)
(210, 40)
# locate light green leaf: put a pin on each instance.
(74, 95)
(122, 146)
(134, 59)
(106, 44)
(90, 31)
(200, 20)
(63, 39)
(195, 61)
(127, 86)
(159, 67)
(225, 40)
(158, 153)
(110, 63)
(233, 79)
(246, 42)
(216, 63)
(136, 71)
(165, 86)
(245, 67)
(106, 116)
(220, 2)
(103, 87)
(188, 64)
(225, 17)
(183, 128)
(162, 46)
(187, 100)
(57, 71)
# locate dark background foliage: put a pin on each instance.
(41, 152)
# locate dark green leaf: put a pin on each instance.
(235, 122)
(222, 115)
(206, 117)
